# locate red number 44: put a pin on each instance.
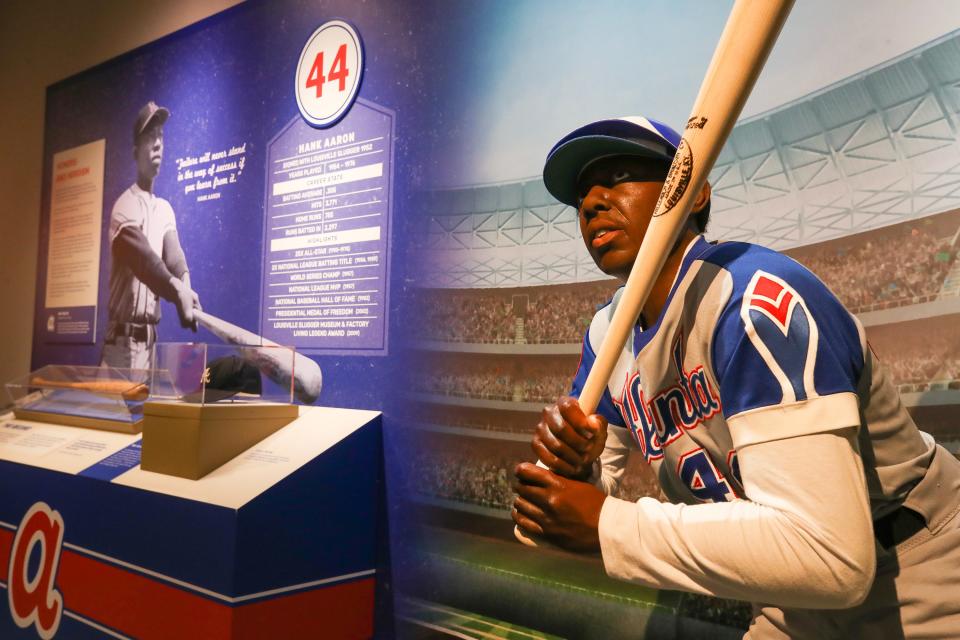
(338, 71)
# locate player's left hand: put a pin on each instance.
(565, 511)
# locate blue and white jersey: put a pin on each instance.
(751, 347)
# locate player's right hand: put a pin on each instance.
(186, 301)
(567, 440)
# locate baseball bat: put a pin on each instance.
(744, 45)
(134, 391)
(305, 373)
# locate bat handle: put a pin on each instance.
(531, 539)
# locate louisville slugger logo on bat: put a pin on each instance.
(681, 171)
(677, 180)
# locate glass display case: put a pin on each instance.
(204, 373)
(98, 397)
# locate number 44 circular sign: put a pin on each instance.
(328, 74)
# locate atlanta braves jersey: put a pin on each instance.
(756, 383)
(751, 347)
(130, 299)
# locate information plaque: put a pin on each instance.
(326, 236)
(73, 251)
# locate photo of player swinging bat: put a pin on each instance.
(751, 30)
(305, 375)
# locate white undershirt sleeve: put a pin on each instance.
(608, 469)
(803, 538)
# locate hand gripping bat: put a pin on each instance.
(305, 374)
(751, 30)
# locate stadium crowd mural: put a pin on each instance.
(886, 270)
(547, 315)
(430, 414)
(920, 354)
(903, 264)
(507, 379)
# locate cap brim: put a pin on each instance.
(566, 162)
(160, 116)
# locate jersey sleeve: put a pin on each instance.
(131, 248)
(786, 353)
(588, 356)
(127, 212)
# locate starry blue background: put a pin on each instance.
(228, 80)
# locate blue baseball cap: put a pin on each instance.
(627, 136)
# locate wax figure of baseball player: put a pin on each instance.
(797, 479)
(147, 261)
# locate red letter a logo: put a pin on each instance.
(33, 598)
